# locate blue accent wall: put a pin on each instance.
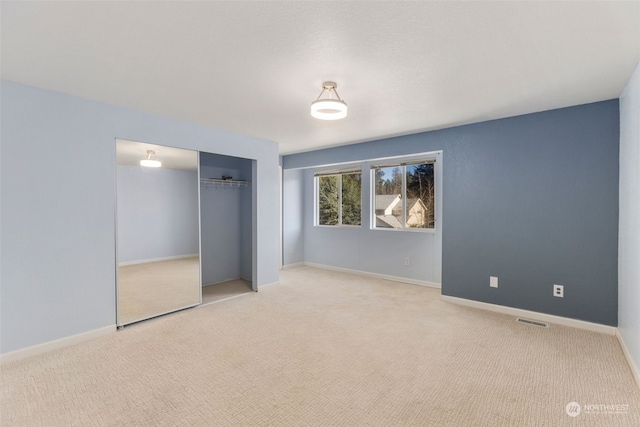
(532, 199)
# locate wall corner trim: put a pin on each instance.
(634, 369)
(534, 315)
(35, 350)
(376, 275)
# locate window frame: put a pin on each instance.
(403, 165)
(339, 174)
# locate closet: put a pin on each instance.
(226, 226)
(184, 229)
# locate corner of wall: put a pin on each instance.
(628, 226)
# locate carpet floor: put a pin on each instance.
(224, 290)
(327, 349)
(149, 289)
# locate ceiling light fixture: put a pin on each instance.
(329, 108)
(151, 161)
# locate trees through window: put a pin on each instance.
(403, 196)
(339, 198)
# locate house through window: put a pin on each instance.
(404, 195)
(339, 197)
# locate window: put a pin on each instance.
(339, 198)
(404, 195)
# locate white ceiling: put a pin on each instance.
(255, 67)
(129, 153)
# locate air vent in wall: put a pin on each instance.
(532, 322)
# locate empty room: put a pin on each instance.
(239, 213)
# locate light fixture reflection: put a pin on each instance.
(151, 161)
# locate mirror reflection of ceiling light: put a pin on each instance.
(151, 161)
(329, 108)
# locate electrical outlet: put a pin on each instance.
(493, 281)
(407, 261)
(558, 291)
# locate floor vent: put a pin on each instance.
(532, 322)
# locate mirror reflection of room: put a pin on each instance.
(157, 230)
(226, 221)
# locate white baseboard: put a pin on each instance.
(167, 258)
(533, 315)
(634, 368)
(376, 275)
(55, 344)
(294, 265)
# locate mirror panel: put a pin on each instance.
(158, 243)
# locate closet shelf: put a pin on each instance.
(215, 182)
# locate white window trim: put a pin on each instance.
(368, 163)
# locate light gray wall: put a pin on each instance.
(629, 229)
(157, 213)
(294, 213)
(531, 199)
(372, 250)
(58, 185)
(226, 220)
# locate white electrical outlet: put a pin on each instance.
(493, 281)
(558, 291)
(407, 261)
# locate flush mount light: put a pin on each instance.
(151, 161)
(329, 108)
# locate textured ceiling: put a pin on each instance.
(254, 67)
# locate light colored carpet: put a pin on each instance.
(153, 288)
(224, 290)
(326, 349)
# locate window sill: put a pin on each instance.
(406, 230)
(338, 226)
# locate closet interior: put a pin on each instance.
(226, 226)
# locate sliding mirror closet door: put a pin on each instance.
(158, 243)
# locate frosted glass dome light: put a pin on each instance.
(329, 108)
